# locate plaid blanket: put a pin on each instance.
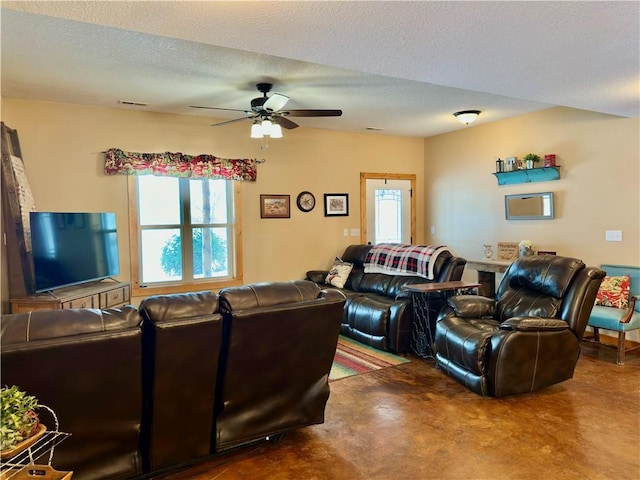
(394, 258)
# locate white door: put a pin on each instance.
(389, 210)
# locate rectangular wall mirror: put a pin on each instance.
(529, 206)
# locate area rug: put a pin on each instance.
(353, 358)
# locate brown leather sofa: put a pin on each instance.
(184, 377)
(525, 339)
(86, 365)
(378, 312)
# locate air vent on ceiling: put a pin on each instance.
(135, 104)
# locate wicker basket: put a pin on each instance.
(20, 446)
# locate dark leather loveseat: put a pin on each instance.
(183, 377)
(378, 312)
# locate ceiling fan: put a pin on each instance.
(269, 109)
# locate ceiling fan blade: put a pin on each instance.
(275, 102)
(232, 121)
(314, 113)
(285, 122)
(218, 108)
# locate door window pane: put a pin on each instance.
(388, 216)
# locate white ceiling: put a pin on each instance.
(404, 67)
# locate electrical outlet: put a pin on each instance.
(613, 235)
(433, 229)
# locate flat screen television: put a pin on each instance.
(73, 248)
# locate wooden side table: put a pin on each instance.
(487, 270)
(421, 328)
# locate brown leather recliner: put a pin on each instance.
(182, 335)
(86, 365)
(279, 342)
(525, 339)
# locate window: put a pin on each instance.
(388, 215)
(186, 236)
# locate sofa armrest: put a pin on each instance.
(472, 306)
(317, 276)
(332, 294)
(403, 295)
(534, 324)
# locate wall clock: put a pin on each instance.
(306, 201)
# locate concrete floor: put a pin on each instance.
(413, 422)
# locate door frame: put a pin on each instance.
(364, 176)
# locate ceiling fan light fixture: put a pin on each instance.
(256, 130)
(276, 131)
(467, 116)
(267, 126)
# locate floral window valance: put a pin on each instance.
(178, 165)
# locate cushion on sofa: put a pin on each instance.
(525, 302)
(265, 294)
(339, 273)
(609, 318)
(375, 283)
(614, 291)
(552, 279)
(366, 320)
(49, 324)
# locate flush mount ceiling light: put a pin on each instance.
(467, 116)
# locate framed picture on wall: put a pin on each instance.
(336, 204)
(275, 206)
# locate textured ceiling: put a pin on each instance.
(403, 67)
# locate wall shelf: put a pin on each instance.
(541, 174)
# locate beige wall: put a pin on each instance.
(62, 145)
(598, 190)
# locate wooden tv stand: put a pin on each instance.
(102, 294)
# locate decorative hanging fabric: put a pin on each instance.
(169, 164)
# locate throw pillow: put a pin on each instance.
(614, 292)
(339, 273)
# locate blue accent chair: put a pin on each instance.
(619, 319)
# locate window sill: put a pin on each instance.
(163, 289)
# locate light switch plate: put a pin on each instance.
(613, 235)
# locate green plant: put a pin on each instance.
(532, 157)
(18, 418)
